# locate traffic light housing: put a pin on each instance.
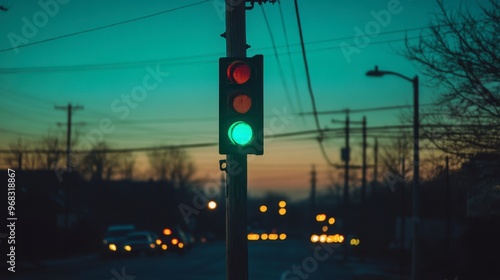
(241, 105)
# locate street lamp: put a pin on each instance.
(416, 161)
(212, 205)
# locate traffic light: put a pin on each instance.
(241, 105)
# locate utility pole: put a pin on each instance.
(403, 217)
(310, 219)
(236, 163)
(236, 195)
(363, 168)
(375, 168)
(20, 160)
(448, 226)
(313, 190)
(346, 181)
(346, 159)
(221, 197)
(69, 110)
(363, 188)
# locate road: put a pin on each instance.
(279, 260)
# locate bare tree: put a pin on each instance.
(50, 151)
(126, 163)
(461, 55)
(99, 163)
(17, 149)
(160, 163)
(183, 168)
(172, 165)
(394, 152)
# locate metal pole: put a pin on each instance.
(68, 166)
(68, 139)
(236, 168)
(346, 183)
(363, 170)
(448, 226)
(375, 163)
(311, 221)
(20, 160)
(313, 190)
(363, 189)
(236, 218)
(403, 218)
(416, 180)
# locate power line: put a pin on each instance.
(292, 67)
(172, 60)
(378, 34)
(104, 26)
(306, 65)
(17, 133)
(372, 43)
(207, 118)
(280, 69)
(373, 109)
(309, 86)
(282, 135)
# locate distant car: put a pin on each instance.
(140, 242)
(176, 239)
(114, 237)
(161, 244)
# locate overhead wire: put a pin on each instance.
(280, 68)
(105, 26)
(168, 61)
(136, 125)
(282, 135)
(309, 86)
(373, 109)
(181, 60)
(292, 67)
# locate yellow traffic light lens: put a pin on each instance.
(242, 103)
(239, 72)
(240, 133)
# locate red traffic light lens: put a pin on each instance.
(242, 103)
(239, 72)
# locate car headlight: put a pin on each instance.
(112, 247)
(127, 248)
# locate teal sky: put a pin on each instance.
(95, 69)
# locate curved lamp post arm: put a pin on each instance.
(379, 73)
(397, 74)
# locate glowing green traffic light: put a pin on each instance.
(240, 133)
